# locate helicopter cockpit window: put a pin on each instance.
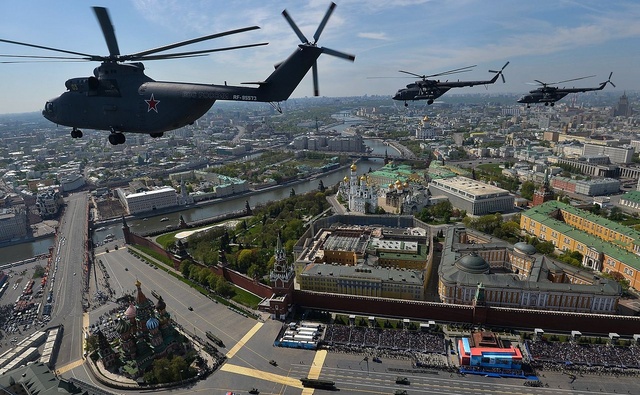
(108, 88)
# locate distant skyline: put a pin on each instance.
(546, 40)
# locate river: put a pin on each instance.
(27, 250)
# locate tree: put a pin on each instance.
(185, 266)
(616, 214)
(225, 289)
(527, 190)
(245, 259)
(443, 210)
(545, 247)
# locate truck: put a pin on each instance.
(214, 339)
(318, 383)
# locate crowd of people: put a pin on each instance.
(394, 339)
(589, 355)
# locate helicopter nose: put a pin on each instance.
(49, 110)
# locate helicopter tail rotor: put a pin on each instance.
(608, 81)
(499, 72)
(316, 37)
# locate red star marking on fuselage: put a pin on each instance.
(153, 104)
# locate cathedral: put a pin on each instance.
(360, 193)
(142, 333)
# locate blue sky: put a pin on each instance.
(547, 40)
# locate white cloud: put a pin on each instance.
(374, 36)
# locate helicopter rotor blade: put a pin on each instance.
(191, 54)
(314, 69)
(89, 57)
(138, 55)
(338, 54)
(318, 32)
(573, 79)
(454, 71)
(43, 57)
(42, 61)
(413, 74)
(424, 77)
(295, 28)
(107, 30)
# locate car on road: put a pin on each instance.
(400, 392)
(402, 380)
(274, 363)
(376, 359)
(190, 308)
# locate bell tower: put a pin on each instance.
(545, 193)
(282, 274)
(281, 278)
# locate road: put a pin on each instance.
(68, 287)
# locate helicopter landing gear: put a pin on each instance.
(406, 104)
(430, 101)
(552, 103)
(76, 133)
(156, 135)
(116, 138)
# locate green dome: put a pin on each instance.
(473, 263)
(525, 248)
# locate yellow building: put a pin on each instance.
(606, 246)
(363, 281)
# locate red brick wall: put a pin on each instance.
(492, 316)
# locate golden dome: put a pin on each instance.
(406, 184)
(398, 182)
(390, 186)
(354, 167)
(345, 179)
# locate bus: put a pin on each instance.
(318, 383)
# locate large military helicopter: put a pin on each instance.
(119, 97)
(429, 90)
(549, 94)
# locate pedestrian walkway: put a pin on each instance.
(316, 368)
(244, 340)
(259, 374)
(69, 366)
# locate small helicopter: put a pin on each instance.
(119, 97)
(549, 94)
(429, 90)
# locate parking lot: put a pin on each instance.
(22, 304)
